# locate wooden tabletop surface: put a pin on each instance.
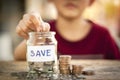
(103, 69)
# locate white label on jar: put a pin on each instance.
(41, 53)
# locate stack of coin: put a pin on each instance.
(64, 64)
(77, 69)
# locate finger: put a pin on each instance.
(41, 22)
(22, 26)
(29, 24)
(35, 20)
(21, 33)
(22, 29)
(37, 15)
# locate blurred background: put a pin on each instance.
(103, 12)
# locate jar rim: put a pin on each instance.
(41, 33)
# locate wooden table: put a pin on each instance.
(104, 69)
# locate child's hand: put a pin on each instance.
(31, 22)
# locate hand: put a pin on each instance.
(31, 22)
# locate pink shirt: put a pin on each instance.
(97, 44)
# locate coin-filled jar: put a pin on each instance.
(42, 54)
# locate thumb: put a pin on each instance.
(46, 27)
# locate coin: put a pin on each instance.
(88, 72)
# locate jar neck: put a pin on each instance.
(42, 34)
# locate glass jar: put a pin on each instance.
(42, 54)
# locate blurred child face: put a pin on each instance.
(71, 8)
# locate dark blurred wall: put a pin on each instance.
(11, 12)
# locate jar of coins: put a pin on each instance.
(42, 54)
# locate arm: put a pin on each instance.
(112, 49)
(20, 51)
